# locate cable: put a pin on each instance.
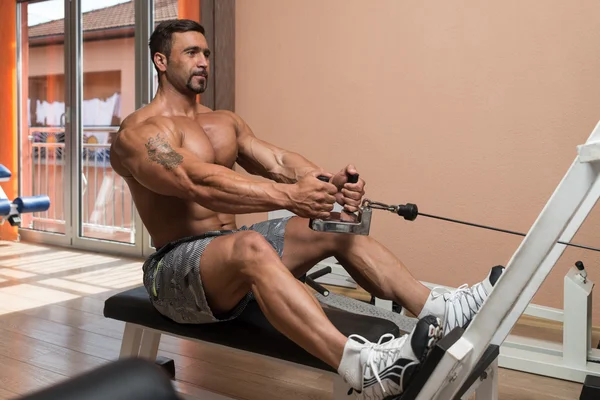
(503, 230)
(410, 211)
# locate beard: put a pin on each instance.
(197, 88)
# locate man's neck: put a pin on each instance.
(175, 102)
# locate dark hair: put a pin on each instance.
(162, 37)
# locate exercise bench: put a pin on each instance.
(251, 332)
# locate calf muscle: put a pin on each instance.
(234, 264)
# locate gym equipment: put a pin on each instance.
(309, 279)
(358, 224)
(5, 173)
(251, 332)
(11, 210)
(464, 360)
(126, 379)
(591, 388)
(409, 212)
(552, 232)
(529, 266)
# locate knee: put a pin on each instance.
(251, 248)
(255, 256)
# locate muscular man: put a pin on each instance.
(177, 158)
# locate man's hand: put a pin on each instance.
(312, 198)
(349, 194)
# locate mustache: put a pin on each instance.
(200, 73)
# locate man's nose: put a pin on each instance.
(202, 61)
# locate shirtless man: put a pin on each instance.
(177, 157)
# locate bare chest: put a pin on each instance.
(211, 142)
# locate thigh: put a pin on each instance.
(304, 248)
(172, 277)
(226, 269)
(202, 280)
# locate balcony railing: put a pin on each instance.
(106, 204)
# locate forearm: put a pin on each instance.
(261, 158)
(291, 167)
(228, 192)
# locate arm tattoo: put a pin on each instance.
(161, 152)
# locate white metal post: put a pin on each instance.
(577, 329)
(459, 361)
(488, 390)
(132, 337)
(548, 264)
(149, 344)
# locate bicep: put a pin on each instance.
(158, 164)
(166, 176)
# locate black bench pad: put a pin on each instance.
(250, 331)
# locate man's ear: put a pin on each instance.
(160, 60)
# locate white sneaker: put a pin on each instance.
(459, 307)
(388, 366)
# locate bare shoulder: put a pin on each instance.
(137, 117)
(151, 136)
(148, 132)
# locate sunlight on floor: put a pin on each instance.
(14, 273)
(57, 263)
(10, 249)
(15, 299)
(72, 286)
(36, 276)
(25, 259)
(36, 292)
(112, 277)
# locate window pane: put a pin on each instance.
(108, 26)
(164, 10)
(43, 111)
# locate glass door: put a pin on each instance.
(104, 90)
(88, 82)
(42, 85)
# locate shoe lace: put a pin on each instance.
(380, 353)
(456, 297)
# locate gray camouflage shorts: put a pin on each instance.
(172, 274)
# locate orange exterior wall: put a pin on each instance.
(8, 104)
(49, 60)
(188, 9)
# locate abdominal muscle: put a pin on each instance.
(170, 218)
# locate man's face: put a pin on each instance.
(188, 63)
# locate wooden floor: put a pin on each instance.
(52, 328)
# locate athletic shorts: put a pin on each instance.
(172, 274)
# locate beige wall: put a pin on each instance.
(471, 110)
